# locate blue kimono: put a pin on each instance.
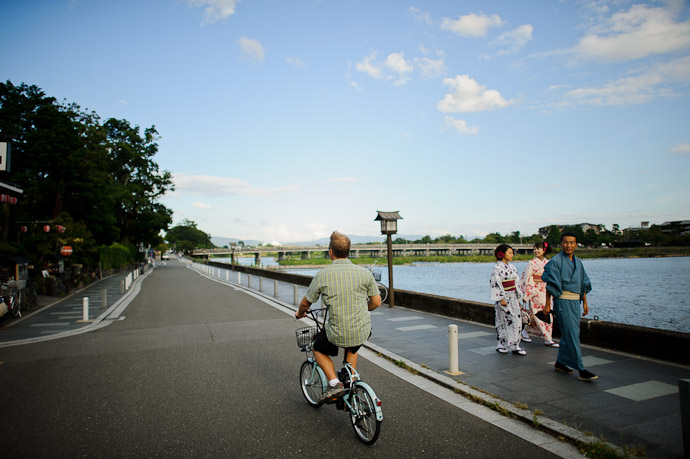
(562, 274)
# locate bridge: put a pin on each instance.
(358, 250)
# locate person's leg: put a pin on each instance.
(326, 365)
(351, 358)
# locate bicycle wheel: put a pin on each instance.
(15, 306)
(363, 416)
(311, 383)
(383, 290)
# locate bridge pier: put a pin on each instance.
(281, 256)
(353, 254)
(257, 259)
(305, 255)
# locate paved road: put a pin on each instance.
(200, 369)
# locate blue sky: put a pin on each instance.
(282, 121)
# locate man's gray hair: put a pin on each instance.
(340, 245)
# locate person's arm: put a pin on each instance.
(303, 308)
(547, 304)
(585, 307)
(374, 302)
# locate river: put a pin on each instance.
(650, 292)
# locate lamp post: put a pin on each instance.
(389, 226)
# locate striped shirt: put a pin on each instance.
(344, 289)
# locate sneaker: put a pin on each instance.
(563, 369)
(333, 392)
(587, 376)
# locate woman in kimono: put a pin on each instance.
(534, 294)
(507, 297)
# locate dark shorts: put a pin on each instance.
(322, 345)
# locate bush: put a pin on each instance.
(115, 256)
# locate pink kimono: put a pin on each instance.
(534, 291)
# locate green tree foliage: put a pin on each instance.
(100, 176)
(187, 237)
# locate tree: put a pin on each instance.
(187, 237)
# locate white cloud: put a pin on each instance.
(471, 25)
(469, 96)
(431, 68)
(201, 205)
(215, 10)
(420, 15)
(295, 62)
(394, 67)
(251, 49)
(459, 125)
(205, 185)
(513, 40)
(682, 149)
(636, 33)
(634, 90)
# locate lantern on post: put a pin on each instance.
(60, 228)
(24, 229)
(389, 226)
(66, 251)
(46, 228)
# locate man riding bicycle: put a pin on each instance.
(349, 292)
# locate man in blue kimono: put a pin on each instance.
(568, 284)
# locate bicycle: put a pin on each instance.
(383, 290)
(12, 298)
(360, 399)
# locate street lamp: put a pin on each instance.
(389, 226)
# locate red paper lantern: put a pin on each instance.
(24, 229)
(60, 228)
(66, 251)
(46, 228)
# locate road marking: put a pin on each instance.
(403, 319)
(474, 334)
(54, 324)
(644, 390)
(417, 327)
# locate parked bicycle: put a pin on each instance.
(360, 400)
(383, 290)
(11, 296)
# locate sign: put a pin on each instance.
(5, 155)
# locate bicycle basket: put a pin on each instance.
(305, 336)
(377, 277)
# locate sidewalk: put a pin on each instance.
(634, 403)
(54, 317)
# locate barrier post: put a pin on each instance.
(104, 298)
(453, 350)
(294, 290)
(85, 309)
(275, 289)
(261, 284)
(249, 281)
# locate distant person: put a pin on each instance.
(506, 296)
(534, 294)
(349, 292)
(568, 284)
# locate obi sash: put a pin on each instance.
(566, 295)
(508, 285)
(537, 278)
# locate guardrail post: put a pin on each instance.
(239, 278)
(227, 276)
(85, 309)
(453, 350)
(294, 290)
(684, 392)
(261, 284)
(275, 289)
(104, 298)
(249, 281)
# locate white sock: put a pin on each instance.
(333, 382)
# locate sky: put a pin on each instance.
(282, 121)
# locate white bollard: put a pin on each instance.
(85, 309)
(227, 276)
(275, 289)
(294, 287)
(122, 286)
(453, 350)
(261, 284)
(249, 281)
(239, 278)
(104, 298)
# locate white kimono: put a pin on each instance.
(508, 317)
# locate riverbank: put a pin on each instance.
(317, 260)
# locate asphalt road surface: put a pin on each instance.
(199, 369)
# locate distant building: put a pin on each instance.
(681, 227)
(644, 226)
(544, 232)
